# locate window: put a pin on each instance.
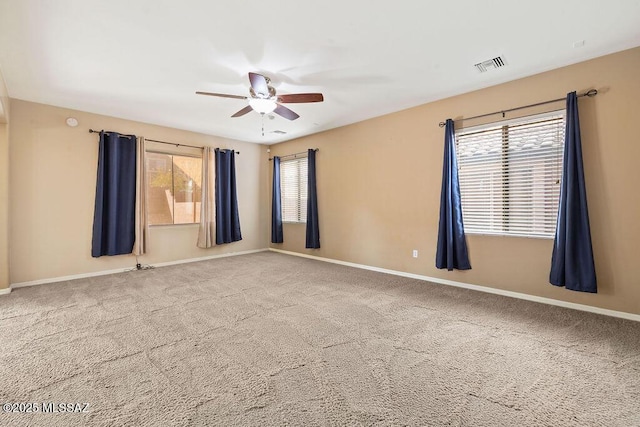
(510, 175)
(173, 189)
(293, 184)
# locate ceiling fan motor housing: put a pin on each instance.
(271, 94)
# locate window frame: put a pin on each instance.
(147, 184)
(504, 181)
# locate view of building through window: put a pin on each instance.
(509, 175)
(173, 189)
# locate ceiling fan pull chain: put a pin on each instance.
(262, 114)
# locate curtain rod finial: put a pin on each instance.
(441, 124)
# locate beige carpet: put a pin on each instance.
(269, 339)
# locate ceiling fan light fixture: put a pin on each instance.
(263, 106)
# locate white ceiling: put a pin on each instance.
(144, 59)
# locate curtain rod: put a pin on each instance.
(160, 142)
(591, 93)
(295, 154)
(98, 131)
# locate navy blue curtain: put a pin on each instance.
(572, 264)
(276, 204)
(114, 217)
(313, 230)
(452, 245)
(227, 218)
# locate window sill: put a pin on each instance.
(475, 233)
(172, 225)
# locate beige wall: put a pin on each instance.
(53, 177)
(379, 187)
(4, 101)
(4, 205)
(4, 185)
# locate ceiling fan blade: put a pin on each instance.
(259, 83)
(285, 112)
(222, 95)
(244, 111)
(300, 97)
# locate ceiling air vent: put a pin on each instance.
(490, 64)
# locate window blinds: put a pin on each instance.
(293, 184)
(510, 175)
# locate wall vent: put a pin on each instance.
(490, 64)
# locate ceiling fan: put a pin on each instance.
(264, 100)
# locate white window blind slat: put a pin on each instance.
(509, 175)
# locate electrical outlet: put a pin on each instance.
(415, 253)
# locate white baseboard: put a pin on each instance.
(65, 278)
(543, 300)
(205, 258)
(5, 291)
(122, 270)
